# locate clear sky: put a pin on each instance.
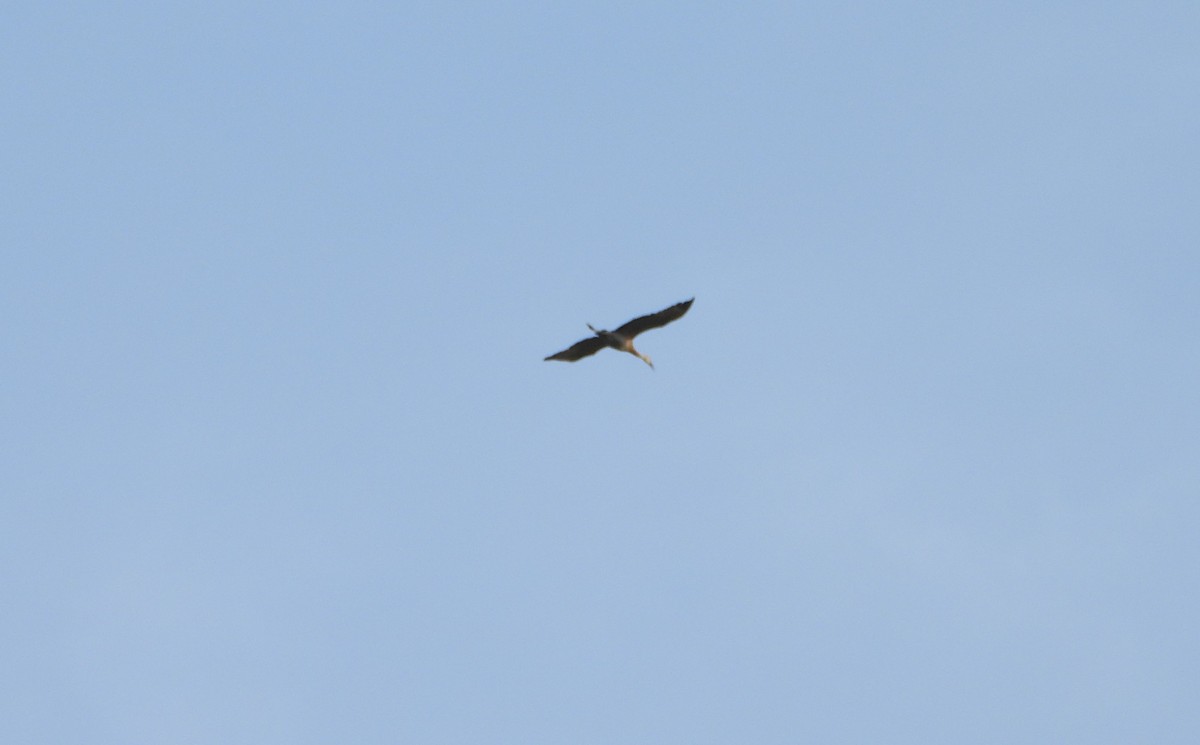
(281, 461)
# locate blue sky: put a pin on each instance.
(282, 462)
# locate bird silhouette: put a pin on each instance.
(622, 338)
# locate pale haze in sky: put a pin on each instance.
(282, 463)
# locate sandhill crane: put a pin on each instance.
(622, 338)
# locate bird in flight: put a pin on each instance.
(622, 339)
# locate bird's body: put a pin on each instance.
(622, 338)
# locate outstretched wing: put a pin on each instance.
(654, 320)
(579, 350)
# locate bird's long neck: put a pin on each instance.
(620, 342)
